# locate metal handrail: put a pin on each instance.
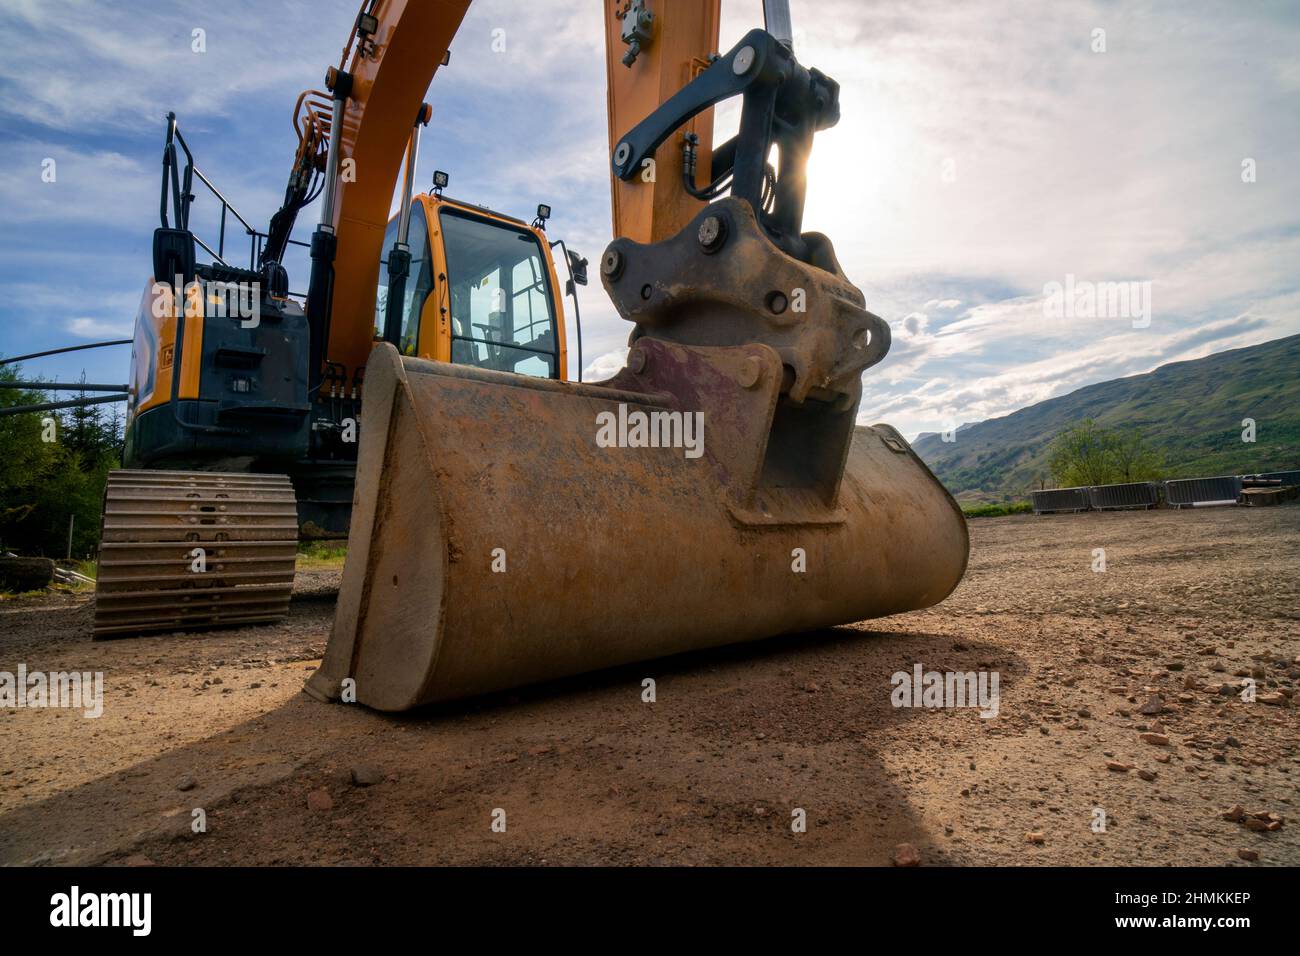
(183, 198)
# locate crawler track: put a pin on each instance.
(246, 526)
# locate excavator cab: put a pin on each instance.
(480, 289)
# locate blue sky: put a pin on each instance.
(986, 150)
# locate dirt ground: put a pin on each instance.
(737, 740)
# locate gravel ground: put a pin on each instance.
(738, 740)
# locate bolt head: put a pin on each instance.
(636, 360)
(611, 264)
(751, 372)
(744, 61)
(712, 232)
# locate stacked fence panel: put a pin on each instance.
(1286, 477)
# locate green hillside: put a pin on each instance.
(1190, 411)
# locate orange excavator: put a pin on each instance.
(506, 525)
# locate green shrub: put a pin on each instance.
(997, 511)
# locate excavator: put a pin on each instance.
(506, 525)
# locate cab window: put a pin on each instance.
(418, 283)
(501, 301)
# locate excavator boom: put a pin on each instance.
(377, 95)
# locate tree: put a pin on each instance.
(53, 469)
(83, 426)
(1087, 454)
(1133, 457)
(1081, 456)
(24, 458)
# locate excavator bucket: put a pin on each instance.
(507, 530)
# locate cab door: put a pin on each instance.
(419, 283)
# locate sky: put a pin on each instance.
(989, 156)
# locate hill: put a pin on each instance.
(1190, 411)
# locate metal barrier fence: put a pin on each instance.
(1192, 492)
(1137, 494)
(1178, 493)
(1060, 500)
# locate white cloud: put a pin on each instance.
(605, 366)
(913, 325)
(85, 63)
(87, 328)
(974, 397)
(91, 188)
